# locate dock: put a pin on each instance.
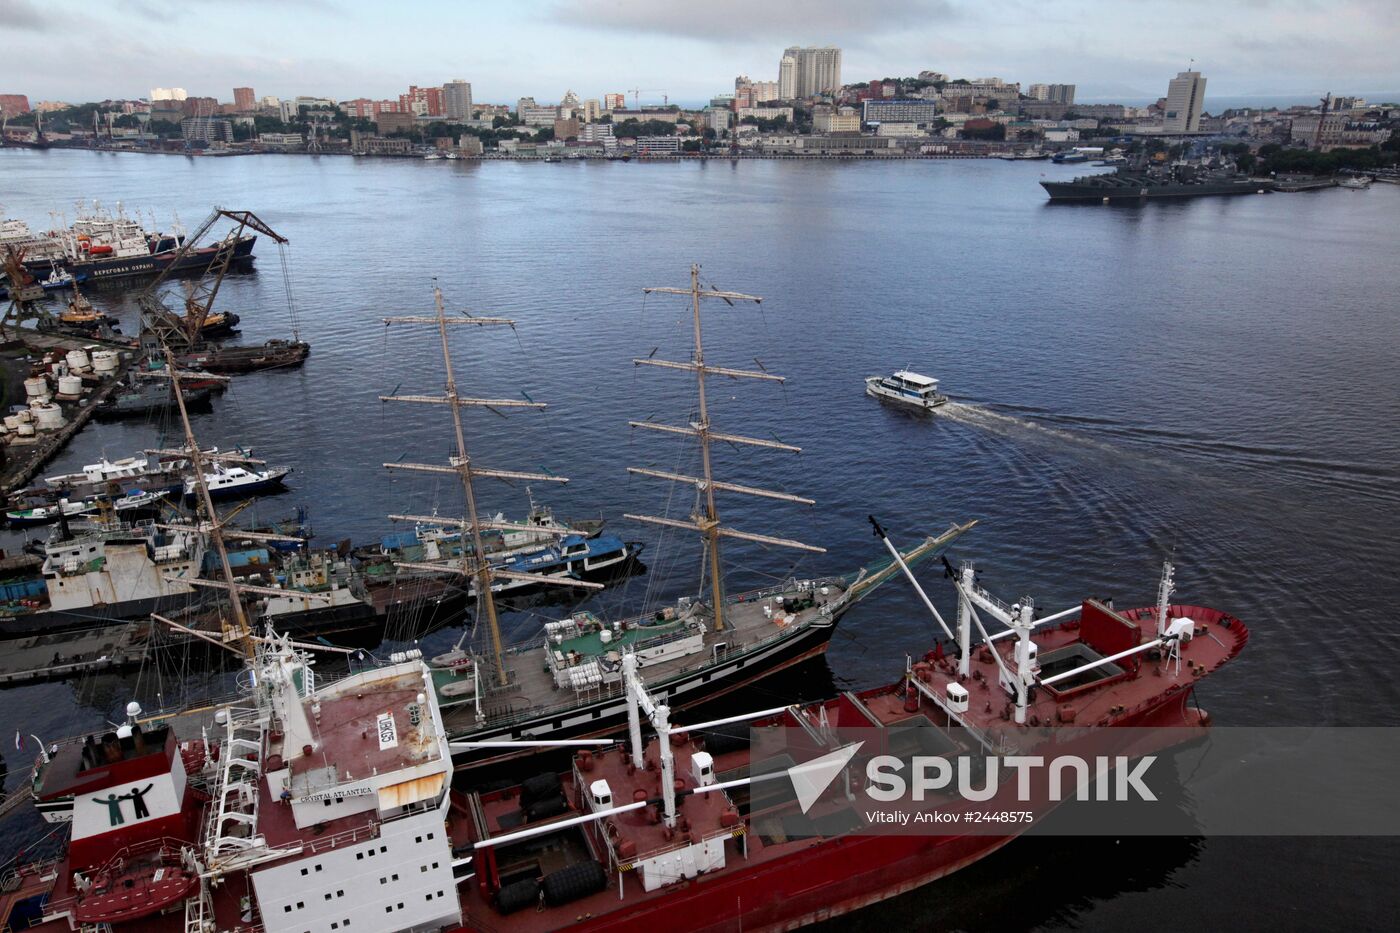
(21, 462)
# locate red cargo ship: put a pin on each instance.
(321, 808)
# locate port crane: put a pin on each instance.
(638, 92)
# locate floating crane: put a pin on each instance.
(184, 332)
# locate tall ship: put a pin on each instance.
(101, 245)
(331, 806)
(1177, 181)
(567, 680)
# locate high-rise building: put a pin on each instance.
(813, 71)
(614, 101)
(1038, 92)
(1061, 93)
(787, 77)
(1186, 93)
(749, 93)
(243, 99)
(592, 110)
(457, 99)
(168, 93)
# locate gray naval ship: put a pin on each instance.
(1131, 183)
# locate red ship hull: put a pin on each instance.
(814, 880)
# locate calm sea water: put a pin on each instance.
(1214, 380)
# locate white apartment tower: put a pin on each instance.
(457, 99)
(1185, 96)
(807, 72)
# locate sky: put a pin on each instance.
(688, 50)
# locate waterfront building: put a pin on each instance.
(285, 140)
(809, 71)
(244, 100)
(899, 130)
(1186, 94)
(167, 93)
(206, 129)
(269, 102)
(12, 105)
(387, 122)
(457, 99)
(595, 132)
(717, 118)
(658, 144)
(566, 128)
(375, 145)
(827, 119)
(899, 111)
(534, 115)
(469, 145)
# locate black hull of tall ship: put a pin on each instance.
(101, 270)
(608, 715)
(1120, 189)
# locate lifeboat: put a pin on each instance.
(101, 250)
(136, 886)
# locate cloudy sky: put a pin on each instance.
(689, 49)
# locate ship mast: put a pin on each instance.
(241, 631)
(475, 564)
(708, 524)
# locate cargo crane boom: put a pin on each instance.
(185, 331)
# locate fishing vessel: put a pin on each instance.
(101, 245)
(906, 388)
(118, 571)
(142, 397)
(566, 681)
(329, 806)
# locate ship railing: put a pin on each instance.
(345, 837)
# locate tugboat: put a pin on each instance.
(906, 388)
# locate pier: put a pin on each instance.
(23, 460)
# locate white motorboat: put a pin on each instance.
(906, 388)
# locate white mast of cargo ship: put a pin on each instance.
(474, 563)
(707, 524)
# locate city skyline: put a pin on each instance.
(540, 48)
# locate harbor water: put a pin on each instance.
(1216, 381)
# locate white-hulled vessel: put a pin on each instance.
(906, 388)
